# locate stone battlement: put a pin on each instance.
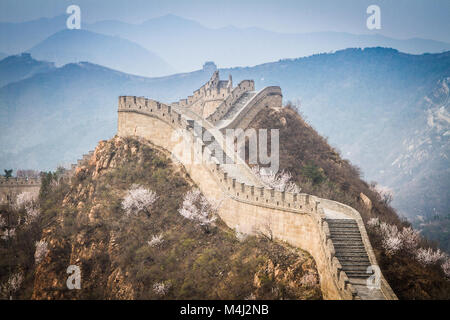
(246, 203)
(19, 181)
(214, 94)
(10, 188)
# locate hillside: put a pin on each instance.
(318, 169)
(148, 253)
(377, 106)
(113, 52)
(16, 68)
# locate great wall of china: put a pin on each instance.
(333, 233)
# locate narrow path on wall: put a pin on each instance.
(236, 108)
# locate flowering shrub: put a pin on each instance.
(156, 240)
(278, 181)
(309, 280)
(13, 284)
(138, 199)
(41, 251)
(394, 240)
(446, 267)
(197, 208)
(408, 239)
(240, 235)
(160, 288)
(27, 201)
(9, 233)
(430, 256)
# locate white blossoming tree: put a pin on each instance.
(430, 256)
(408, 239)
(41, 251)
(15, 281)
(197, 208)
(138, 199)
(279, 181)
(161, 288)
(27, 201)
(156, 240)
(446, 267)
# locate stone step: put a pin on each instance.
(351, 255)
(348, 242)
(363, 263)
(343, 227)
(345, 236)
(344, 230)
(342, 221)
(354, 267)
(358, 274)
(350, 252)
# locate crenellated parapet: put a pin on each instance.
(265, 98)
(11, 182)
(10, 188)
(224, 107)
(297, 218)
(215, 95)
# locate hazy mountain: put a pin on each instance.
(80, 45)
(378, 106)
(186, 44)
(15, 68)
(3, 55)
(52, 118)
(18, 37)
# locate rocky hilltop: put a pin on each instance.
(153, 253)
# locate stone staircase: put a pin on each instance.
(352, 255)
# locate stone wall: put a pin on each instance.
(222, 109)
(215, 97)
(10, 188)
(268, 97)
(295, 218)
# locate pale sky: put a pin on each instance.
(399, 18)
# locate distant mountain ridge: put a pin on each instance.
(16, 38)
(80, 45)
(232, 46)
(185, 44)
(15, 68)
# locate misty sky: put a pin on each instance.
(400, 18)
